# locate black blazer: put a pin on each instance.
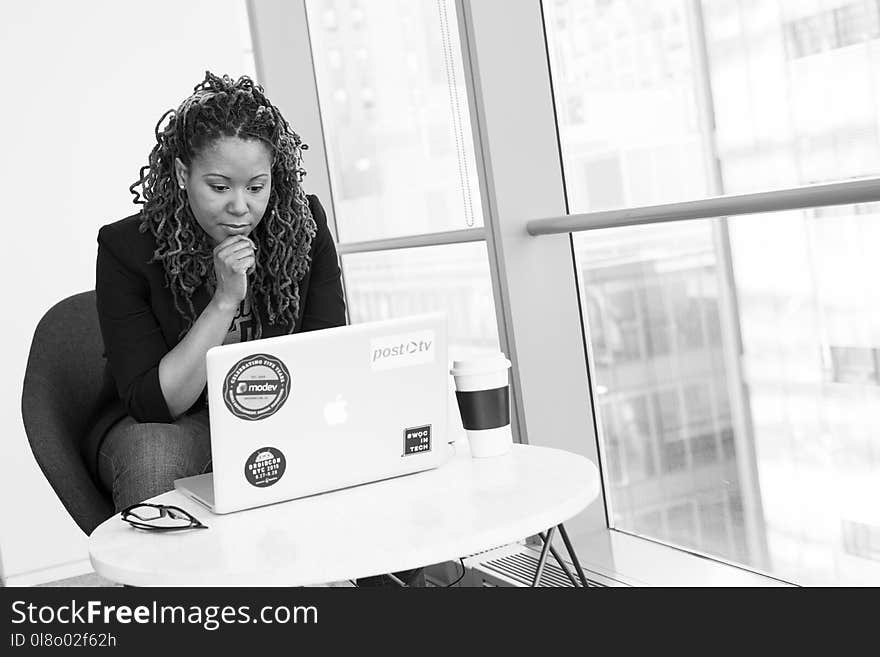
(139, 323)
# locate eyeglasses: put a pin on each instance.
(160, 518)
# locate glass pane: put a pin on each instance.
(753, 342)
(762, 412)
(788, 89)
(451, 278)
(395, 113)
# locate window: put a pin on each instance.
(709, 342)
(395, 118)
(452, 278)
(401, 164)
(842, 26)
(859, 365)
(729, 329)
(861, 539)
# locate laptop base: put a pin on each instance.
(199, 488)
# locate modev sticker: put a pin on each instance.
(265, 467)
(256, 387)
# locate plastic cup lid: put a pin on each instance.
(479, 365)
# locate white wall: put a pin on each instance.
(83, 85)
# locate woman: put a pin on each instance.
(227, 247)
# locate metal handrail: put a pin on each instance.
(412, 241)
(813, 196)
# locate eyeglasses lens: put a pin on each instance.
(159, 517)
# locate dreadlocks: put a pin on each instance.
(219, 108)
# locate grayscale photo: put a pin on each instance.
(388, 294)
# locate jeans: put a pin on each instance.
(139, 460)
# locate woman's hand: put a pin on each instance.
(233, 258)
(182, 372)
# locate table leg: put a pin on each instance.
(571, 553)
(560, 561)
(543, 558)
(396, 580)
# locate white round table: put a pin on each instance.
(463, 507)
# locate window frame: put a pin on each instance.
(283, 55)
(531, 93)
(528, 235)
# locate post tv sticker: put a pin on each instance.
(391, 352)
(416, 440)
(265, 467)
(256, 387)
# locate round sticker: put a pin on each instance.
(264, 467)
(256, 387)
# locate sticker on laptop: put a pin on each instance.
(265, 467)
(256, 387)
(416, 440)
(402, 350)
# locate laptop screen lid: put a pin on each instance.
(312, 412)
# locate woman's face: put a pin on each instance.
(228, 186)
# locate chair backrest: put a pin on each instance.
(63, 387)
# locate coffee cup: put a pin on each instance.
(483, 394)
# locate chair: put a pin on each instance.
(62, 389)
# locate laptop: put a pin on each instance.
(313, 412)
